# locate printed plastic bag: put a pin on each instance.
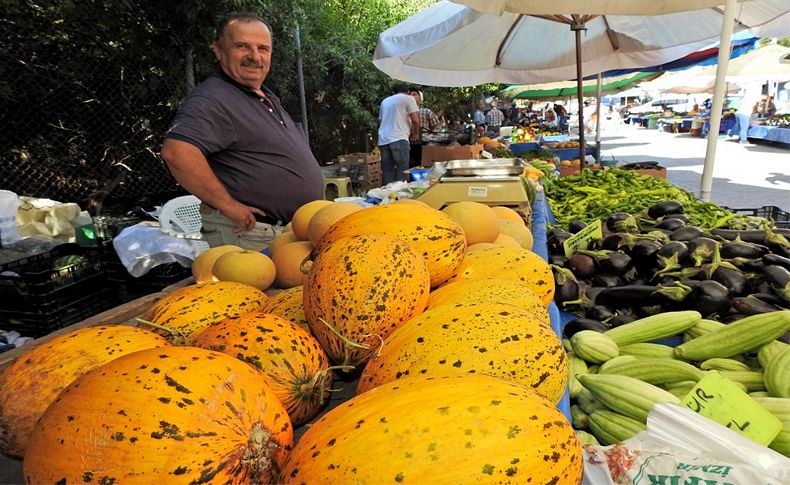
(681, 447)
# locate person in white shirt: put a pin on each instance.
(399, 123)
(747, 108)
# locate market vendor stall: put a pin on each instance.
(676, 124)
(770, 133)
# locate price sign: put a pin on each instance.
(719, 400)
(583, 238)
(481, 192)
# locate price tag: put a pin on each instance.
(477, 192)
(719, 400)
(583, 238)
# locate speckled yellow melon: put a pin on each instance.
(473, 338)
(36, 378)
(509, 263)
(489, 290)
(458, 428)
(289, 304)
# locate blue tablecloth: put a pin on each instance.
(724, 126)
(572, 153)
(685, 123)
(519, 148)
(541, 214)
(555, 138)
(770, 133)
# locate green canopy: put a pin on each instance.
(564, 89)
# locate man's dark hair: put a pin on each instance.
(243, 16)
(400, 88)
(414, 89)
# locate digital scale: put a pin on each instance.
(495, 181)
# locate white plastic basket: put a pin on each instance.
(180, 217)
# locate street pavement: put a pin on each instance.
(744, 176)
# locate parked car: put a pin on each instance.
(678, 105)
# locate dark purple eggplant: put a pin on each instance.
(639, 295)
(777, 260)
(592, 292)
(599, 312)
(621, 318)
(558, 260)
(665, 208)
(644, 252)
(686, 233)
(701, 249)
(607, 280)
(622, 222)
(740, 249)
(780, 250)
(732, 317)
(614, 241)
(576, 226)
(759, 236)
(671, 224)
(608, 261)
(579, 324)
(779, 279)
(732, 279)
(771, 298)
(674, 248)
(749, 305)
(682, 217)
(567, 289)
(555, 240)
(708, 297)
(582, 265)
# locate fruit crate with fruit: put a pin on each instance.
(52, 290)
(128, 287)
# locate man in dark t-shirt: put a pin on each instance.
(234, 147)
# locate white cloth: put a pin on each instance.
(394, 115)
(750, 98)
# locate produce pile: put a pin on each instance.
(440, 315)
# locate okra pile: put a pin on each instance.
(618, 374)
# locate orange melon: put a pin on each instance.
(281, 240)
(326, 216)
(412, 201)
(479, 222)
(503, 212)
(520, 233)
(507, 241)
(302, 216)
(288, 264)
(249, 267)
(475, 247)
(204, 263)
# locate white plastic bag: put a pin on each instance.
(144, 246)
(681, 447)
(46, 217)
(9, 204)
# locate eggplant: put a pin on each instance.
(664, 208)
(599, 312)
(576, 226)
(622, 222)
(779, 279)
(740, 249)
(749, 305)
(607, 280)
(780, 250)
(674, 248)
(701, 249)
(671, 224)
(608, 261)
(732, 279)
(621, 319)
(591, 292)
(759, 236)
(777, 260)
(681, 217)
(578, 324)
(558, 260)
(567, 288)
(732, 317)
(771, 298)
(644, 252)
(640, 295)
(582, 265)
(614, 241)
(686, 233)
(708, 297)
(555, 240)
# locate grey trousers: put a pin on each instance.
(217, 230)
(394, 161)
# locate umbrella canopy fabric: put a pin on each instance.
(564, 89)
(615, 7)
(451, 45)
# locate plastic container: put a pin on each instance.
(780, 217)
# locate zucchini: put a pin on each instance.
(778, 406)
(758, 394)
(610, 427)
(654, 327)
(626, 395)
(610, 364)
(752, 380)
(680, 389)
(648, 350)
(769, 351)
(594, 346)
(657, 371)
(719, 363)
(579, 419)
(777, 375)
(587, 401)
(781, 444)
(738, 337)
(586, 438)
(576, 366)
(702, 327)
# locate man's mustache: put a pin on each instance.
(251, 64)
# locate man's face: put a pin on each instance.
(244, 52)
(416, 97)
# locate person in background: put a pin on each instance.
(399, 124)
(480, 113)
(562, 117)
(234, 147)
(769, 108)
(429, 123)
(694, 110)
(494, 118)
(748, 108)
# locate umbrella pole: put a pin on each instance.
(598, 120)
(706, 183)
(577, 28)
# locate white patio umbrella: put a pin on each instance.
(449, 45)
(763, 17)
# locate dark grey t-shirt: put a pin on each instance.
(257, 152)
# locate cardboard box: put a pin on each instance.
(440, 153)
(357, 158)
(574, 169)
(659, 172)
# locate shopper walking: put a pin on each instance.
(399, 124)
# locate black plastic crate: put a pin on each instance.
(36, 285)
(44, 319)
(129, 287)
(780, 217)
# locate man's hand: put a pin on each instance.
(242, 215)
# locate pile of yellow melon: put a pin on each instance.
(441, 315)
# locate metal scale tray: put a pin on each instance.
(483, 169)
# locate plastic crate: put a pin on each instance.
(128, 287)
(38, 298)
(780, 217)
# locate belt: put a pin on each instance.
(267, 219)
